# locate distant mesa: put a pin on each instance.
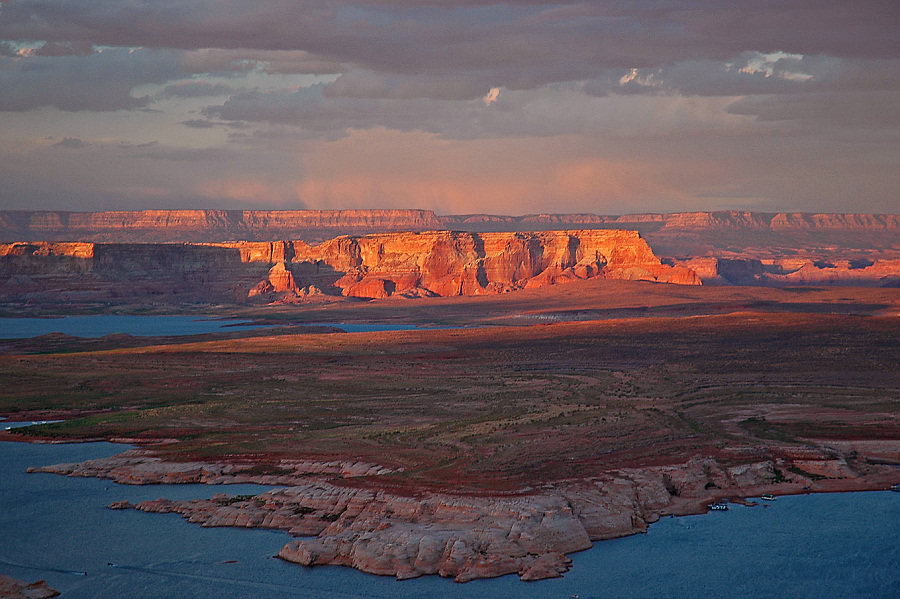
(157, 226)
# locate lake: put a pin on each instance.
(827, 545)
(99, 325)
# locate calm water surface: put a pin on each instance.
(835, 545)
(99, 325)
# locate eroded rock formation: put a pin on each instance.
(373, 266)
(795, 271)
(449, 263)
(10, 588)
(465, 537)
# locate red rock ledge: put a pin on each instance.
(10, 588)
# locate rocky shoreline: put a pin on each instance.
(10, 588)
(470, 537)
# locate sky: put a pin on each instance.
(458, 106)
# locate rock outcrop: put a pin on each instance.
(450, 263)
(373, 266)
(795, 272)
(466, 537)
(10, 588)
(139, 467)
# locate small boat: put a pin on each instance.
(767, 497)
(895, 488)
(718, 506)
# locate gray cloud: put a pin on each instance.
(228, 60)
(100, 81)
(198, 124)
(876, 110)
(71, 143)
(196, 89)
(65, 49)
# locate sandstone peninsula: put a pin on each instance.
(528, 533)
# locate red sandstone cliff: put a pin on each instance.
(449, 263)
(373, 266)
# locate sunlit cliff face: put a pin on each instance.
(449, 105)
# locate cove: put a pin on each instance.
(53, 527)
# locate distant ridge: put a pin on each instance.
(161, 226)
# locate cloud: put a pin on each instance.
(199, 123)
(101, 81)
(196, 89)
(236, 60)
(527, 44)
(65, 49)
(71, 143)
(827, 110)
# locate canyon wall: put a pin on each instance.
(436, 263)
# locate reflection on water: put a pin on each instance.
(53, 527)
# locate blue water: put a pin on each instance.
(829, 545)
(372, 328)
(99, 325)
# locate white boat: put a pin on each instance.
(767, 497)
(718, 506)
(895, 488)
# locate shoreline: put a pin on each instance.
(464, 537)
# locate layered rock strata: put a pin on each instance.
(465, 537)
(374, 266)
(795, 272)
(154, 226)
